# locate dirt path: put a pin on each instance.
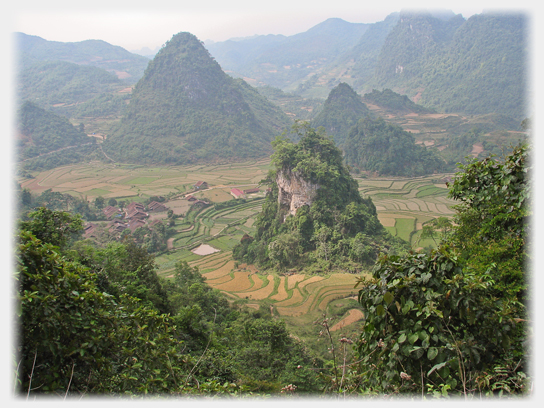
(55, 151)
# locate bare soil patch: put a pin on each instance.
(205, 249)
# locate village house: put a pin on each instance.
(251, 191)
(156, 207)
(200, 185)
(89, 230)
(135, 223)
(117, 226)
(236, 193)
(112, 212)
(135, 211)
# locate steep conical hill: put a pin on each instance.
(341, 111)
(185, 108)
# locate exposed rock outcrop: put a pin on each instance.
(294, 191)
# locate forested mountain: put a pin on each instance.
(314, 216)
(281, 62)
(40, 131)
(185, 109)
(439, 60)
(377, 146)
(412, 43)
(60, 85)
(362, 58)
(341, 111)
(484, 69)
(97, 53)
(475, 66)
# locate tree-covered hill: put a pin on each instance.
(185, 109)
(60, 85)
(412, 43)
(476, 66)
(40, 131)
(393, 101)
(97, 53)
(314, 217)
(378, 146)
(364, 54)
(341, 111)
(484, 70)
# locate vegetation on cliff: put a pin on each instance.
(337, 229)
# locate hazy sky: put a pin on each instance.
(135, 24)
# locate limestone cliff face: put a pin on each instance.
(294, 191)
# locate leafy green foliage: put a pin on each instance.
(493, 217)
(453, 321)
(75, 338)
(339, 228)
(377, 146)
(54, 227)
(92, 322)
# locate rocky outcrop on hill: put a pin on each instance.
(294, 191)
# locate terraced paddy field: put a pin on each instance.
(403, 206)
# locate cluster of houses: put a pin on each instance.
(133, 216)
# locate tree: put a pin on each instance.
(454, 320)
(76, 339)
(99, 202)
(54, 227)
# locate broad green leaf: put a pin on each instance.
(432, 353)
(380, 311)
(388, 297)
(437, 367)
(402, 338)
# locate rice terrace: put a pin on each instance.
(204, 236)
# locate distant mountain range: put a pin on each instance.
(190, 103)
(97, 53)
(440, 60)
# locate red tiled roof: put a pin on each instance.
(236, 192)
